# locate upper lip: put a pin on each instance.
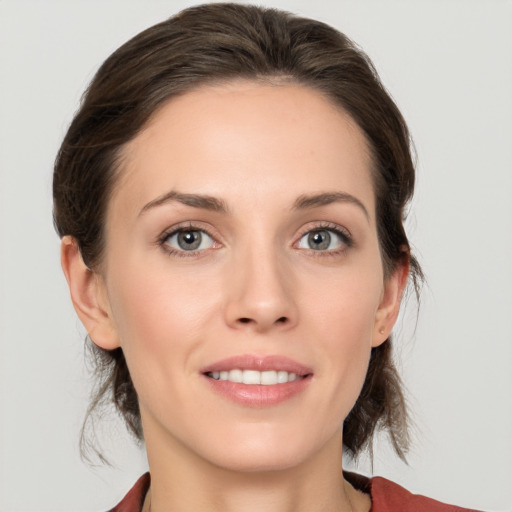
(259, 363)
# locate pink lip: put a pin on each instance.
(258, 396)
(260, 363)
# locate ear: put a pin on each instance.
(389, 306)
(89, 296)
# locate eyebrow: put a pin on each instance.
(195, 200)
(314, 201)
(215, 204)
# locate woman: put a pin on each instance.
(230, 198)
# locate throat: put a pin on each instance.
(269, 492)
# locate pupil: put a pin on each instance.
(319, 240)
(189, 240)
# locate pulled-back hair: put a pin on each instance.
(217, 43)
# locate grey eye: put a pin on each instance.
(321, 240)
(190, 240)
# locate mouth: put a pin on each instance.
(258, 382)
(255, 377)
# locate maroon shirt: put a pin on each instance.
(386, 496)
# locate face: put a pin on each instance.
(242, 274)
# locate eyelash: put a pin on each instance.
(162, 240)
(342, 233)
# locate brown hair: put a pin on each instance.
(215, 43)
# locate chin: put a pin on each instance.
(259, 462)
(263, 453)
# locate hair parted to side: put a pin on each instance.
(215, 43)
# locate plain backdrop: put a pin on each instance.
(448, 64)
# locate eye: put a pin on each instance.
(323, 240)
(189, 240)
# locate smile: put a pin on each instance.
(255, 377)
(258, 381)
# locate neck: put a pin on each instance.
(182, 481)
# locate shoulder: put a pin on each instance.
(388, 496)
(134, 500)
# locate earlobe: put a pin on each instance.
(88, 295)
(390, 303)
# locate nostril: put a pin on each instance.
(280, 320)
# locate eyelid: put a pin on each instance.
(186, 226)
(204, 239)
(328, 226)
(189, 225)
(341, 231)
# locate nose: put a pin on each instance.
(260, 293)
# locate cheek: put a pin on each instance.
(154, 306)
(344, 324)
(159, 320)
(347, 303)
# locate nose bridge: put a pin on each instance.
(260, 286)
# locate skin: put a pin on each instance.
(255, 287)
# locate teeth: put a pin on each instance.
(235, 376)
(282, 377)
(268, 378)
(251, 377)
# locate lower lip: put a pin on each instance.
(258, 396)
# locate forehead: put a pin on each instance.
(259, 137)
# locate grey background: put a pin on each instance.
(449, 66)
